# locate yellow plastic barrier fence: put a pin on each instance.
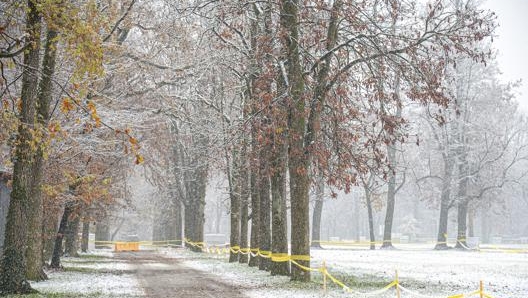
(126, 246)
(459, 241)
(284, 257)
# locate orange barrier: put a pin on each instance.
(126, 246)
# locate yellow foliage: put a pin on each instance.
(66, 106)
(139, 159)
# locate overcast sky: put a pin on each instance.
(512, 42)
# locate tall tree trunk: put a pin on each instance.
(484, 225)
(265, 212)
(14, 266)
(234, 194)
(199, 218)
(102, 233)
(463, 180)
(72, 231)
(4, 206)
(462, 212)
(471, 224)
(298, 162)
(85, 234)
(303, 134)
(445, 201)
(178, 221)
(57, 249)
(391, 189)
(279, 215)
(188, 229)
(34, 256)
(317, 213)
(244, 206)
(255, 217)
(52, 214)
(442, 225)
(370, 219)
(391, 201)
(157, 226)
(218, 218)
(463, 201)
(357, 221)
(194, 207)
(120, 225)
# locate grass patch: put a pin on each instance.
(88, 261)
(90, 256)
(88, 270)
(80, 269)
(66, 295)
(364, 282)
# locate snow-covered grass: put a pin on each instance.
(437, 273)
(428, 272)
(425, 271)
(95, 274)
(251, 281)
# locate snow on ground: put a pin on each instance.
(425, 271)
(92, 275)
(251, 281)
(436, 272)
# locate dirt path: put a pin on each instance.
(167, 277)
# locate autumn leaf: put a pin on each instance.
(139, 159)
(66, 106)
(133, 141)
(19, 105)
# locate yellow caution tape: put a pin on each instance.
(303, 267)
(285, 257)
(300, 257)
(280, 257)
(265, 254)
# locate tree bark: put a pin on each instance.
(462, 212)
(471, 224)
(4, 206)
(302, 133)
(52, 214)
(279, 215)
(317, 213)
(255, 217)
(71, 243)
(14, 265)
(195, 203)
(391, 202)
(85, 234)
(244, 201)
(298, 162)
(370, 219)
(445, 201)
(463, 200)
(391, 189)
(178, 221)
(102, 233)
(57, 249)
(234, 194)
(35, 223)
(265, 212)
(484, 225)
